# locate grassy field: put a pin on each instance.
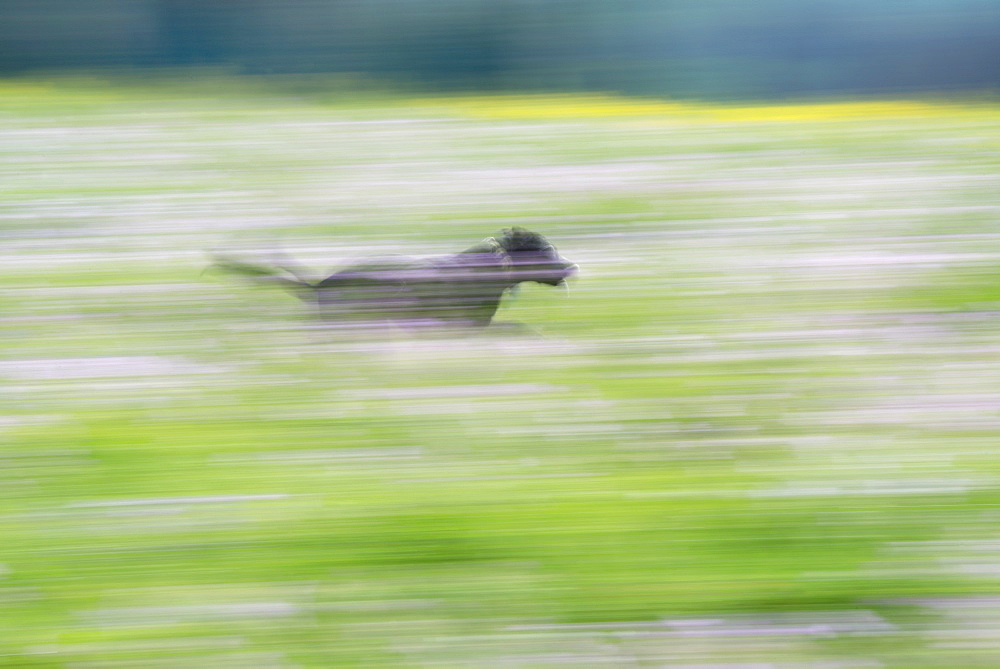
(760, 429)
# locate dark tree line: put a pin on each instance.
(712, 48)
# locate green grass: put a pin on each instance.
(768, 401)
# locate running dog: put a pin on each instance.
(459, 290)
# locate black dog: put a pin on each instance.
(462, 290)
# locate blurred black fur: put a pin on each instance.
(463, 289)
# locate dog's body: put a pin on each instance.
(462, 290)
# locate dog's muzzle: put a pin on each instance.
(558, 276)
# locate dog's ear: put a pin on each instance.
(518, 239)
(514, 236)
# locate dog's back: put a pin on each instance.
(462, 289)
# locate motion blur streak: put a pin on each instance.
(758, 429)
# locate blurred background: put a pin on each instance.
(718, 48)
(759, 430)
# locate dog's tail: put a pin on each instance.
(281, 272)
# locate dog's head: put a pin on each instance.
(534, 258)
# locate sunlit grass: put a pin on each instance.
(757, 428)
(549, 107)
(345, 92)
